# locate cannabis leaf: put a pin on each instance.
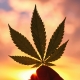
(55, 39)
(38, 33)
(24, 60)
(54, 51)
(49, 64)
(58, 53)
(36, 65)
(22, 43)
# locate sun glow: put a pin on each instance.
(25, 75)
(64, 76)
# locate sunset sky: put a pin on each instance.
(18, 14)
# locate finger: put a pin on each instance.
(34, 77)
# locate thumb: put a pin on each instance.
(42, 73)
(46, 73)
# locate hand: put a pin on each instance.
(45, 73)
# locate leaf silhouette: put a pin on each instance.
(22, 43)
(38, 33)
(58, 53)
(24, 60)
(49, 64)
(53, 52)
(55, 39)
(36, 65)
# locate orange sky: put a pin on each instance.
(18, 14)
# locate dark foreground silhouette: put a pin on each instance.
(45, 73)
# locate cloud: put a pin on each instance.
(5, 50)
(51, 14)
(5, 5)
(6, 46)
(76, 35)
(5, 18)
(18, 14)
(19, 5)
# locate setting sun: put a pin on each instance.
(25, 75)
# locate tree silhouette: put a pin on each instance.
(54, 51)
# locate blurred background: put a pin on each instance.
(18, 14)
